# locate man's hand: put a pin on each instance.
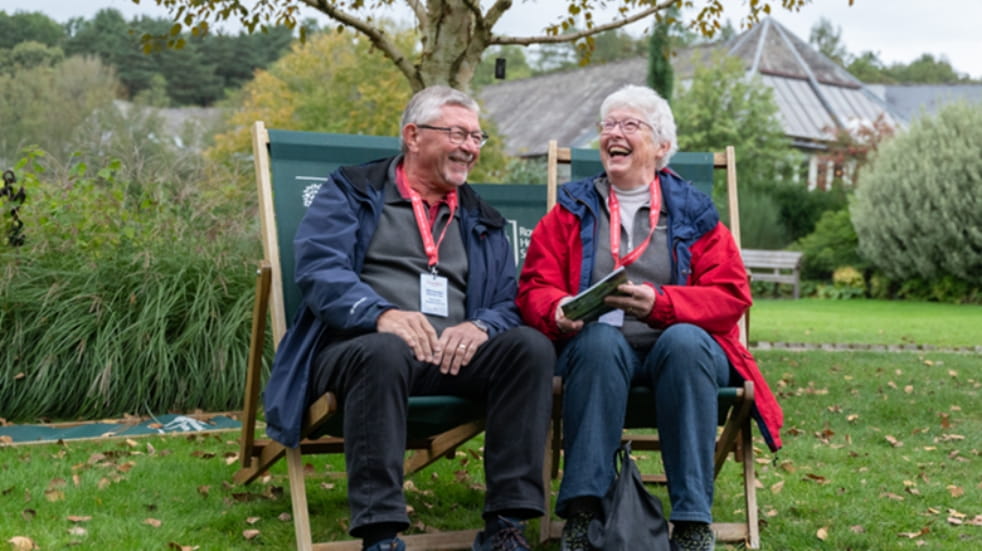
(457, 346)
(415, 329)
(637, 300)
(565, 324)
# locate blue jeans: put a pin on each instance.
(685, 369)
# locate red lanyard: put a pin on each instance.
(614, 206)
(423, 222)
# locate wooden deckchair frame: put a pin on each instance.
(735, 436)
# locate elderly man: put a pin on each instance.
(408, 289)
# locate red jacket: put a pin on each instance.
(710, 287)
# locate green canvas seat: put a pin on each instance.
(735, 403)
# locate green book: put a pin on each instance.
(589, 304)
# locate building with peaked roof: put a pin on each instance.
(910, 101)
(814, 96)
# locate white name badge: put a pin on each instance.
(433, 297)
(614, 317)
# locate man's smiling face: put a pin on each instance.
(443, 164)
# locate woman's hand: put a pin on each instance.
(636, 300)
(564, 324)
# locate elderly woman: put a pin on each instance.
(673, 328)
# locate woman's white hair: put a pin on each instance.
(425, 105)
(652, 108)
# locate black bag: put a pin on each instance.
(633, 518)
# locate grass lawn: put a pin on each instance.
(881, 451)
(812, 320)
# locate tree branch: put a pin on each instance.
(496, 11)
(572, 37)
(374, 34)
(421, 16)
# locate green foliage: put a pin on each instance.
(29, 54)
(525, 171)
(721, 108)
(916, 212)
(926, 70)
(761, 226)
(78, 87)
(23, 26)
(366, 95)
(828, 39)
(831, 245)
(661, 75)
(197, 74)
(801, 208)
(128, 297)
(847, 283)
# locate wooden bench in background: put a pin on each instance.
(776, 266)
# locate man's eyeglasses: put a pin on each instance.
(628, 126)
(458, 135)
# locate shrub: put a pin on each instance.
(760, 223)
(916, 211)
(800, 208)
(831, 245)
(847, 282)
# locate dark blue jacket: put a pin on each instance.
(330, 247)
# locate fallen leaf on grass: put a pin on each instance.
(816, 478)
(893, 441)
(179, 547)
(912, 535)
(975, 521)
(955, 491)
(152, 522)
(28, 514)
(203, 490)
(78, 531)
(250, 534)
(777, 487)
(857, 529)
(54, 495)
(285, 517)
(79, 518)
(22, 543)
(822, 533)
(252, 520)
(893, 496)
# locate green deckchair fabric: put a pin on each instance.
(696, 167)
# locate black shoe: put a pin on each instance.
(693, 536)
(576, 533)
(394, 544)
(509, 536)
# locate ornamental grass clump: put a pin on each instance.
(124, 299)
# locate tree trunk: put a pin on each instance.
(453, 40)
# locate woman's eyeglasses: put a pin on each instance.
(627, 126)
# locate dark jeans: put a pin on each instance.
(373, 376)
(685, 369)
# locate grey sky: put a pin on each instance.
(898, 30)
